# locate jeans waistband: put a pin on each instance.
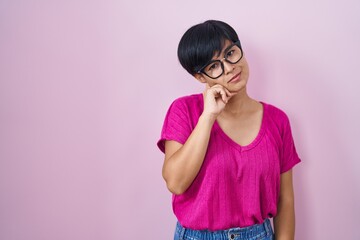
(257, 230)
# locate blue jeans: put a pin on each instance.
(255, 232)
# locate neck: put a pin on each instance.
(238, 104)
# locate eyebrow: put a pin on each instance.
(224, 51)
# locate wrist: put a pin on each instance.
(208, 117)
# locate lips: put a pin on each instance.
(234, 77)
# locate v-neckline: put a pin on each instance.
(253, 143)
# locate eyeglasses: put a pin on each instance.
(215, 68)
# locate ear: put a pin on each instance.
(200, 77)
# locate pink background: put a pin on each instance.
(85, 85)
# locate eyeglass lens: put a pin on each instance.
(215, 69)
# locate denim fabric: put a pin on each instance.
(255, 232)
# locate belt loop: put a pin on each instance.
(267, 225)
(182, 233)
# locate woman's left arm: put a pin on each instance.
(284, 221)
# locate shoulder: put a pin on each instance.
(275, 113)
(188, 99)
(193, 101)
(276, 118)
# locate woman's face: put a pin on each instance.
(234, 77)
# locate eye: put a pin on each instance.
(213, 66)
(229, 53)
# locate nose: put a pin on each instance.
(228, 67)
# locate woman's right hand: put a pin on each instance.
(215, 100)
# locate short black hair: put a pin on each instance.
(200, 42)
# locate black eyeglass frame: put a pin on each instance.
(237, 43)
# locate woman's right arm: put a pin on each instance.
(183, 162)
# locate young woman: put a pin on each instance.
(228, 158)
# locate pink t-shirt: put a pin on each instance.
(237, 186)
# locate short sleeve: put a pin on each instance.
(289, 157)
(177, 124)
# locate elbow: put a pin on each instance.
(175, 187)
(286, 204)
(177, 190)
(172, 184)
(175, 184)
(286, 199)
